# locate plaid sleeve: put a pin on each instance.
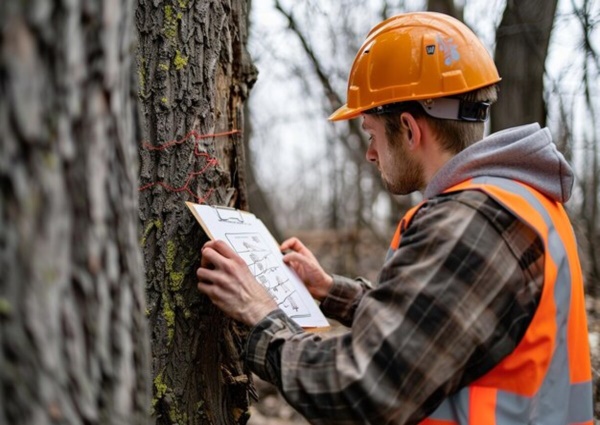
(454, 300)
(344, 297)
(263, 349)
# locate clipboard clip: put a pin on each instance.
(229, 215)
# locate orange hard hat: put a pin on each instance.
(416, 56)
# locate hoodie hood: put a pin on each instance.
(526, 154)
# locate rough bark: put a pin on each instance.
(73, 339)
(521, 48)
(194, 77)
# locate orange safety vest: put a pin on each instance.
(547, 378)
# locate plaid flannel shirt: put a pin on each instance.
(456, 297)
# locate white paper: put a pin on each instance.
(250, 238)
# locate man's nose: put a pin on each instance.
(371, 154)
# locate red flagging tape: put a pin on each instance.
(210, 162)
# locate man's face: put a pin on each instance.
(400, 171)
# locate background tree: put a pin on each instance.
(194, 75)
(73, 339)
(522, 41)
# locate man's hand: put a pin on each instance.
(225, 278)
(305, 264)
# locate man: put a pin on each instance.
(478, 313)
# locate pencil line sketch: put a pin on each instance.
(269, 272)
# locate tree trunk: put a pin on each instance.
(521, 49)
(73, 339)
(194, 76)
(448, 7)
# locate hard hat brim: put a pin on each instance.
(344, 113)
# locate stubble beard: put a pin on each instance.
(408, 175)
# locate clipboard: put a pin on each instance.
(250, 239)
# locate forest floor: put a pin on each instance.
(272, 409)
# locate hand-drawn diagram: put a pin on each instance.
(269, 272)
(249, 237)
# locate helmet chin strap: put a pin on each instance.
(456, 109)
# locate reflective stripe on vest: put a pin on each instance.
(546, 380)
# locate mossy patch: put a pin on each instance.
(170, 23)
(156, 224)
(180, 61)
(6, 307)
(169, 315)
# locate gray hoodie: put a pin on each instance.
(524, 153)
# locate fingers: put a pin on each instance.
(217, 254)
(206, 275)
(221, 248)
(293, 244)
(210, 258)
(220, 278)
(231, 286)
(294, 257)
(207, 289)
(212, 264)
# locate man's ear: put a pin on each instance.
(411, 128)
